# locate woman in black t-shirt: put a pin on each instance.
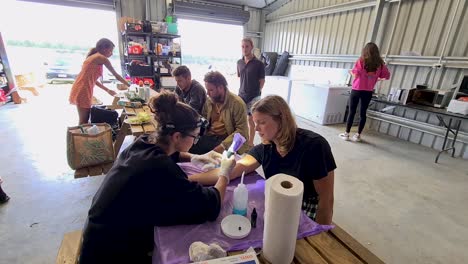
(146, 188)
(291, 150)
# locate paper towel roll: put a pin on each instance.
(283, 201)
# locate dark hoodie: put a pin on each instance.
(144, 188)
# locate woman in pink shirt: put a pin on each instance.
(81, 93)
(369, 68)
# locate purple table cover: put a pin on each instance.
(172, 243)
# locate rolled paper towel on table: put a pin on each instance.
(283, 201)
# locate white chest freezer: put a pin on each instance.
(277, 85)
(323, 104)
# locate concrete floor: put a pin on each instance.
(389, 194)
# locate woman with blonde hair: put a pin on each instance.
(291, 150)
(82, 90)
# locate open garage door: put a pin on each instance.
(97, 4)
(211, 12)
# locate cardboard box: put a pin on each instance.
(246, 258)
(458, 107)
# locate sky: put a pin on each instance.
(210, 39)
(84, 27)
(46, 22)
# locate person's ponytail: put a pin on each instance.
(91, 52)
(101, 46)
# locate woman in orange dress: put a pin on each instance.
(81, 93)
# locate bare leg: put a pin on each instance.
(83, 114)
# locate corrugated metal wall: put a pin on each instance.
(132, 8)
(331, 33)
(340, 33)
(254, 28)
(421, 28)
(138, 9)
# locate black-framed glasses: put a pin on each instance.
(195, 138)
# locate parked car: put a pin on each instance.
(66, 67)
(63, 68)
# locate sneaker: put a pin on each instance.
(4, 199)
(344, 136)
(356, 138)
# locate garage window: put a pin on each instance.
(215, 13)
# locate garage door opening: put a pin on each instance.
(50, 42)
(204, 50)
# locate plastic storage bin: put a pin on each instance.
(172, 28)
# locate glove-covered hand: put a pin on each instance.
(226, 167)
(207, 161)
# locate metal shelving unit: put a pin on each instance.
(6, 83)
(157, 62)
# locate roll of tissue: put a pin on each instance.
(283, 201)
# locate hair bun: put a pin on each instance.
(164, 102)
(163, 105)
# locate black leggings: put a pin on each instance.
(365, 97)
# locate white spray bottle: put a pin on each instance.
(241, 197)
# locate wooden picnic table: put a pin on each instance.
(332, 247)
(134, 130)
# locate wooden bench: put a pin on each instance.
(93, 170)
(70, 248)
(332, 247)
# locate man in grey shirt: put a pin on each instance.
(189, 91)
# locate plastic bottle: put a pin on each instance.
(241, 197)
(93, 130)
(141, 92)
(147, 91)
(253, 218)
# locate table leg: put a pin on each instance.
(446, 136)
(457, 128)
(449, 130)
(120, 137)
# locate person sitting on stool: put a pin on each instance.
(189, 90)
(227, 115)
